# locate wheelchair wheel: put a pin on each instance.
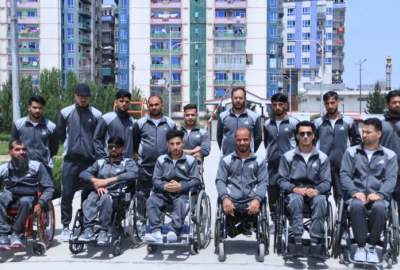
(337, 231)
(116, 248)
(76, 248)
(203, 220)
(46, 225)
(263, 228)
(139, 216)
(128, 222)
(330, 227)
(193, 247)
(221, 252)
(260, 252)
(394, 239)
(151, 249)
(39, 248)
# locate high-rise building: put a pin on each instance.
(81, 39)
(107, 44)
(122, 45)
(39, 35)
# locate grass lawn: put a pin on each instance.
(3, 148)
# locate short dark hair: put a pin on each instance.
(122, 94)
(239, 88)
(155, 95)
(305, 123)
(38, 99)
(14, 142)
(173, 133)
(190, 106)
(118, 141)
(392, 94)
(279, 97)
(330, 94)
(373, 122)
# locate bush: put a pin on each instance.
(57, 176)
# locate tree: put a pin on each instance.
(376, 100)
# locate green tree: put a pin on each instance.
(376, 100)
(6, 107)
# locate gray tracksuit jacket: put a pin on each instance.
(295, 172)
(335, 141)
(40, 138)
(150, 140)
(34, 179)
(391, 133)
(125, 170)
(242, 180)
(184, 171)
(228, 123)
(197, 137)
(379, 175)
(75, 127)
(114, 124)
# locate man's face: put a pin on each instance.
(279, 107)
(331, 105)
(18, 151)
(175, 146)
(394, 105)
(190, 117)
(305, 136)
(35, 110)
(243, 141)
(122, 104)
(115, 151)
(370, 135)
(238, 100)
(82, 101)
(154, 105)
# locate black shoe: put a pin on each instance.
(298, 250)
(316, 251)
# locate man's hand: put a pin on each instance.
(173, 187)
(373, 197)
(197, 155)
(254, 207)
(101, 191)
(360, 196)
(311, 192)
(37, 209)
(98, 183)
(136, 156)
(300, 191)
(228, 206)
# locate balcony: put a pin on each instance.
(107, 71)
(230, 20)
(228, 35)
(231, 4)
(165, 67)
(85, 12)
(84, 41)
(229, 83)
(27, 4)
(84, 26)
(166, 4)
(29, 66)
(162, 82)
(224, 66)
(35, 35)
(176, 51)
(162, 35)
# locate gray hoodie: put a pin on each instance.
(197, 137)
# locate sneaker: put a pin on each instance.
(65, 234)
(172, 237)
(372, 255)
(298, 250)
(87, 235)
(102, 238)
(15, 240)
(360, 255)
(316, 251)
(4, 240)
(154, 237)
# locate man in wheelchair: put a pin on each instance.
(22, 179)
(241, 181)
(305, 178)
(175, 175)
(106, 176)
(368, 177)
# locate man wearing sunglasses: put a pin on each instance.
(106, 176)
(305, 177)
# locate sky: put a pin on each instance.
(372, 32)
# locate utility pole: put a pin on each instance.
(133, 78)
(388, 73)
(360, 63)
(170, 75)
(14, 61)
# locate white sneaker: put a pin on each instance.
(172, 237)
(360, 255)
(65, 235)
(372, 255)
(154, 237)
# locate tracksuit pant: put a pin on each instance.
(101, 205)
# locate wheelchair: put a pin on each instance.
(39, 230)
(283, 236)
(124, 222)
(195, 234)
(260, 225)
(344, 244)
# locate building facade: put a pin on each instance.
(108, 44)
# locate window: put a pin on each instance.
(305, 61)
(290, 61)
(176, 76)
(329, 11)
(70, 18)
(329, 36)
(70, 47)
(305, 48)
(329, 23)
(219, 13)
(70, 33)
(176, 60)
(291, 24)
(328, 48)
(290, 36)
(306, 36)
(306, 11)
(123, 18)
(291, 12)
(290, 48)
(306, 23)
(307, 73)
(32, 13)
(273, 32)
(221, 76)
(70, 3)
(273, 3)
(273, 16)
(328, 61)
(157, 60)
(236, 76)
(219, 92)
(70, 62)
(123, 47)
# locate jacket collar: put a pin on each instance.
(299, 153)
(244, 113)
(169, 158)
(162, 119)
(42, 121)
(196, 127)
(286, 118)
(360, 148)
(326, 118)
(250, 157)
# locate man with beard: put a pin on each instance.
(175, 175)
(241, 181)
(115, 124)
(105, 175)
(229, 121)
(305, 178)
(37, 133)
(279, 138)
(149, 140)
(21, 178)
(75, 127)
(335, 133)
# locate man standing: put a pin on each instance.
(75, 127)
(115, 124)
(229, 121)
(37, 133)
(149, 140)
(368, 177)
(21, 178)
(335, 132)
(279, 137)
(305, 176)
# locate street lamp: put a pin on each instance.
(360, 63)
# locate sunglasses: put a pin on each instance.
(303, 134)
(111, 146)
